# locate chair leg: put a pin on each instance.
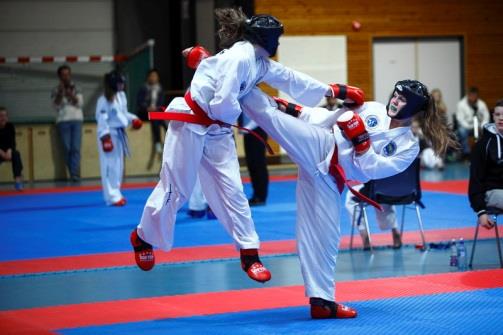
(353, 222)
(365, 218)
(404, 207)
(498, 241)
(474, 245)
(420, 221)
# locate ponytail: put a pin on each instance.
(232, 24)
(436, 131)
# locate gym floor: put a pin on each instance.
(66, 268)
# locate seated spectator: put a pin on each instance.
(486, 170)
(8, 152)
(469, 107)
(150, 98)
(427, 156)
(440, 105)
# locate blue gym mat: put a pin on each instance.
(76, 223)
(474, 312)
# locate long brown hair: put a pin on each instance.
(232, 23)
(436, 131)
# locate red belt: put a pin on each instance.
(340, 178)
(200, 117)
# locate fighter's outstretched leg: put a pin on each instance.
(306, 145)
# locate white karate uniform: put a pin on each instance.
(218, 84)
(386, 219)
(197, 201)
(310, 142)
(377, 121)
(112, 118)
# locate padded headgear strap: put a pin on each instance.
(265, 31)
(416, 95)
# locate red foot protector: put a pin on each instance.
(324, 309)
(120, 203)
(143, 252)
(253, 267)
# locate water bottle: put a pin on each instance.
(454, 253)
(461, 255)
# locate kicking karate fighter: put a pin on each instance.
(372, 142)
(208, 147)
(113, 117)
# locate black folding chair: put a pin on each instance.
(494, 212)
(401, 189)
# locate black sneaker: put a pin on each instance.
(256, 202)
(197, 214)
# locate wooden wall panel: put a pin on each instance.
(478, 22)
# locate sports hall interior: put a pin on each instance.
(66, 264)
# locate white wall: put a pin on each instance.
(322, 57)
(36, 28)
(393, 61)
(51, 28)
(440, 67)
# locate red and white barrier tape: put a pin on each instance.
(63, 59)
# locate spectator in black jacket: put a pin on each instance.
(8, 150)
(150, 98)
(486, 171)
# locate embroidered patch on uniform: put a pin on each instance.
(371, 121)
(389, 149)
(103, 111)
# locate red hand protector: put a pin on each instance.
(353, 127)
(194, 56)
(106, 143)
(291, 109)
(137, 123)
(350, 94)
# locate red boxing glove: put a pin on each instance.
(353, 96)
(106, 143)
(136, 123)
(194, 56)
(353, 127)
(289, 108)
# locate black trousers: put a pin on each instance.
(17, 165)
(156, 125)
(256, 162)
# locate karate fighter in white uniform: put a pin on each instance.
(113, 117)
(371, 142)
(218, 84)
